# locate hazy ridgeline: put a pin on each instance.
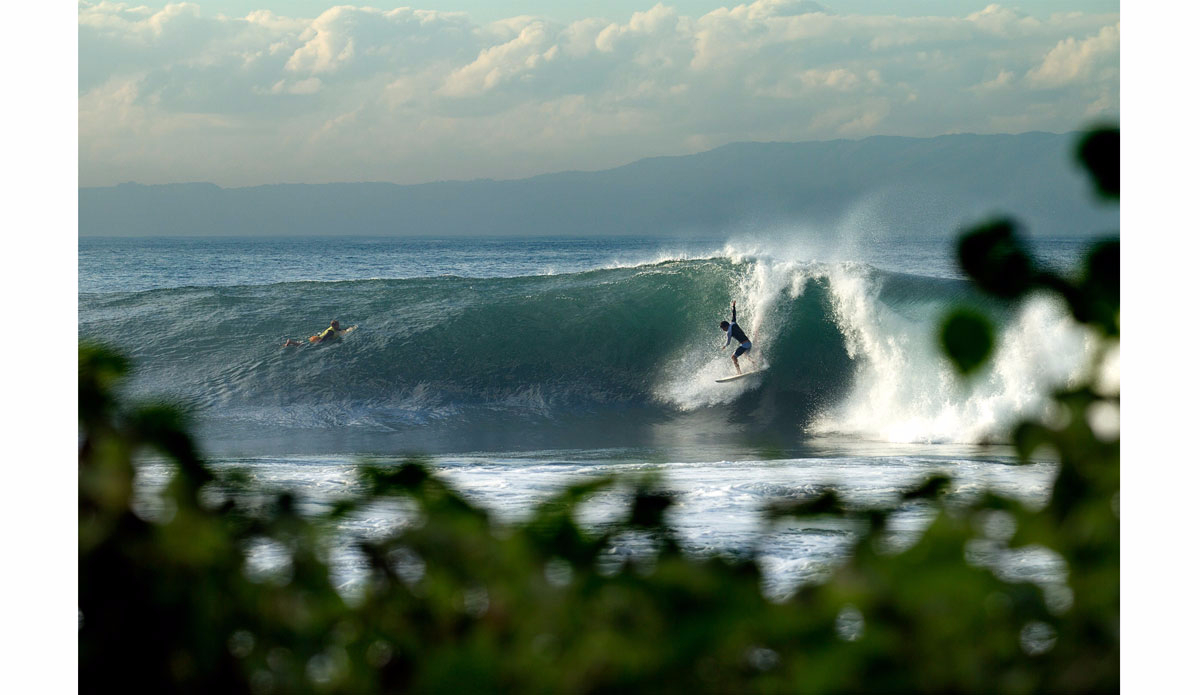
(909, 186)
(171, 601)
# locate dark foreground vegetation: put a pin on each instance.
(457, 602)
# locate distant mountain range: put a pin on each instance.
(891, 185)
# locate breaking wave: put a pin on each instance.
(848, 349)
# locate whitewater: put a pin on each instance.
(519, 365)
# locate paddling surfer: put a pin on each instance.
(328, 334)
(734, 332)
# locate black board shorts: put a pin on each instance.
(743, 348)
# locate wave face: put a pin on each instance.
(849, 350)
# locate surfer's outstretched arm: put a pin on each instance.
(729, 331)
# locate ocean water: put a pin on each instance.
(520, 365)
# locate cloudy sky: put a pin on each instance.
(245, 92)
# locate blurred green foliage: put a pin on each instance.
(454, 601)
(967, 336)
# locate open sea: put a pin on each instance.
(520, 365)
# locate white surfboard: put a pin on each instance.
(743, 375)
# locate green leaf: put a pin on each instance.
(994, 256)
(967, 339)
(930, 489)
(1028, 437)
(1100, 153)
(1100, 291)
(406, 477)
(648, 509)
(826, 503)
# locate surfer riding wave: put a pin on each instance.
(734, 332)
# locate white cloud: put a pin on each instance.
(524, 53)
(275, 23)
(1072, 60)
(409, 95)
(1005, 79)
(377, 40)
(328, 42)
(310, 86)
(1002, 21)
(852, 121)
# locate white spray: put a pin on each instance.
(904, 389)
(764, 292)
